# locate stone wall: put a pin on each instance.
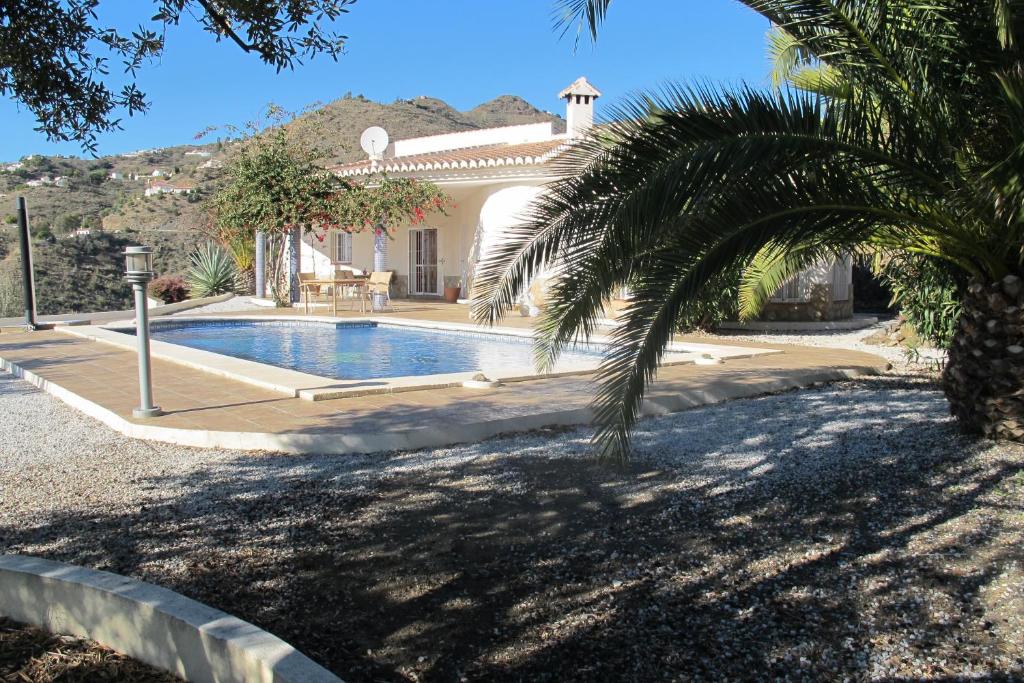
(819, 307)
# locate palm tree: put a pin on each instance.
(914, 143)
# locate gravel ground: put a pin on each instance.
(232, 305)
(841, 532)
(853, 339)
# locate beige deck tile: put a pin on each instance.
(106, 375)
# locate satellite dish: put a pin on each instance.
(374, 141)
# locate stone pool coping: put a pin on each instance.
(149, 623)
(317, 388)
(424, 435)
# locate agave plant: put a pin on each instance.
(909, 137)
(212, 272)
(242, 246)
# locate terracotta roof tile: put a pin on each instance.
(528, 153)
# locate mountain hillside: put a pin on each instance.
(509, 110)
(339, 124)
(68, 195)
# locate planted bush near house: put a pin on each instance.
(716, 304)
(11, 302)
(213, 272)
(169, 288)
(928, 294)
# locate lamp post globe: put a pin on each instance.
(139, 271)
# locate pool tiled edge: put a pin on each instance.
(310, 387)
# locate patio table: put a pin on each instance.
(334, 284)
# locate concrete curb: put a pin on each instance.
(805, 326)
(186, 305)
(345, 443)
(152, 624)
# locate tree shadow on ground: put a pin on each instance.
(808, 545)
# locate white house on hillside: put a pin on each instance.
(492, 175)
(155, 187)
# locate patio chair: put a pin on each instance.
(380, 283)
(308, 290)
(349, 293)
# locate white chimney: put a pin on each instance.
(579, 110)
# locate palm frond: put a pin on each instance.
(821, 80)
(1004, 16)
(785, 54)
(580, 15)
(770, 269)
(698, 182)
(904, 132)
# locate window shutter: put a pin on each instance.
(343, 247)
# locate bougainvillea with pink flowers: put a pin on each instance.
(385, 204)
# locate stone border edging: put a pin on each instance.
(347, 443)
(806, 326)
(149, 623)
(186, 305)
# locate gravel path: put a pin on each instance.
(233, 305)
(840, 532)
(853, 340)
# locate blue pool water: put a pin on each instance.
(359, 352)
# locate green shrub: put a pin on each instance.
(11, 302)
(927, 292)
(718, 303)
(213, 272)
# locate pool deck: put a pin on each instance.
(206, 410)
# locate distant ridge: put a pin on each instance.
(344, 119)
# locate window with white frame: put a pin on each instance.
(342, 247)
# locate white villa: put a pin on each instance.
(492, 175)
(155, 187)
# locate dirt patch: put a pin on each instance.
(30, 655)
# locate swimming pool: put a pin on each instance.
(361, 350)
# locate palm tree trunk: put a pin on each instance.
(246, 281)
(984, 375)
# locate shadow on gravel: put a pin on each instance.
(821, 551)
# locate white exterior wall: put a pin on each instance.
(579, 116)
(314, 257)
(510, 135)
(502, 209)
(837, 274)
(482, 212)
(455, 234)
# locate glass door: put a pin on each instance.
(423, 261)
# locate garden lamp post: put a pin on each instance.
(27, 276)
(139, 271)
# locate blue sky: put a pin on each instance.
(462, 51)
